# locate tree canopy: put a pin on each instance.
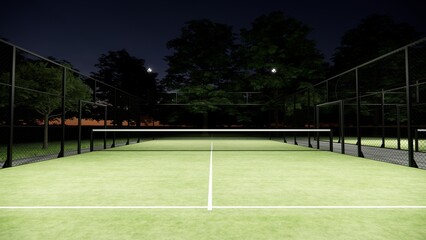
(374, 36)
(278, 42)
(126, 72)
(209, 61)
(42, 90)
(276, 57)
(201, 65)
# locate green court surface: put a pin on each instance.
(212, 189)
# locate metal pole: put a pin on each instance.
(416, 140)
(79, 126)
(139, 121)
(411, 161)
(115, 116)
(91, 140)
(317, 125)
(342, 126)
(358, 113)
(128, 120)
(105, 126)
(294, 118)
(383, 119)
(64, 85)
(12, 79)
(398, 126)
(309, 117)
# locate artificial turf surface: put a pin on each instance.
(245, 173)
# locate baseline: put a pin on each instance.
(213, 207)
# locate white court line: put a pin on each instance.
(102, 207)
(217, 207)
(319, 207)
(210, 194)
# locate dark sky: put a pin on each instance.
(80, 31)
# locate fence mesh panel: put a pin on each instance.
(41, 103)
(370, 103)
(382, 103)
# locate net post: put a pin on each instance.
(331, 140)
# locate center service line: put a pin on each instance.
(210, 196)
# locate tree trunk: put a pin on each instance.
(46, 132)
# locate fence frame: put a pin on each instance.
(405, 87)
(66, 70)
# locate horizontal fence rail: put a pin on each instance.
(375, 110)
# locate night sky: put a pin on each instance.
(80, 31)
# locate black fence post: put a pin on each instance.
(383, 119)
(358, 113)
(398, 126)
(80, 106)
(411, 161)
(91, 140)
(105, 126)
(64, 85)
(114, 108)
(294, 118)
(317, 126)
(342, 126)
(309, 117)
(12, 79)
(416, 140)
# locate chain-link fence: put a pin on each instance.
(48, 109)
(377, 110)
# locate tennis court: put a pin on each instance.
(212, 188)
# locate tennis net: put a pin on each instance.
(224, 139)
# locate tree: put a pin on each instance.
(127, 73)
(278, 42)
(374, 36)
(44, 94)
(201, 65)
